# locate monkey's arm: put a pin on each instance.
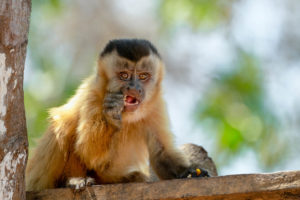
(167, 161)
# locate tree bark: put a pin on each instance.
(14, 24)
(274, 186)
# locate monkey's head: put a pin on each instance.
(132, 67)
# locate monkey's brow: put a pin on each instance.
(146, 66)
(123, 65)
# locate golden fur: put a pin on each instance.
(79, 139)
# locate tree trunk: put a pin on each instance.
(14, 23)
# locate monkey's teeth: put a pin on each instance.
(134, 103)
(129, 100)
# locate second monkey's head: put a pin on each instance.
(134, 68)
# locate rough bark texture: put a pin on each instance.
(276, 186)
(14, 23)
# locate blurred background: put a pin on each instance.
(233, 70)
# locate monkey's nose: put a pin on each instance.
(134, 92)
(134, 89)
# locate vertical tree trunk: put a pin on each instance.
(14, 23)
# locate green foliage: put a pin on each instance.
(234, 109)
(48, 6)
(35, 117)
(204, 13)
(41, 92)
(37, 111)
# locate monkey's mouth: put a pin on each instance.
(131, 103)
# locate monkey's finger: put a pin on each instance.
(199, 173)
(76, 183)
(185, 174)
(115, 96)
(113, 100)
(90, 181)
(113, 112)
(111, 105)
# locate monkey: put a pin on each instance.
(113, 129)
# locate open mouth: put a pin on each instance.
(130, 100)
(131, 103)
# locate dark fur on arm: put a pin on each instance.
(167, 161)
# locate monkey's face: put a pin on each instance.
(137, 81)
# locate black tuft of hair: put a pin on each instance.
(132, 49)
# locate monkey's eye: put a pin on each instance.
(124, 75)
(144, 76)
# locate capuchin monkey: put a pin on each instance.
(113, 129)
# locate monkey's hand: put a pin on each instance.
(79, 183)
(194, 173)
(112, 108)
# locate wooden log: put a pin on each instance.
(275, 186)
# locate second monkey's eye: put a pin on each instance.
(144, 76)
(124, 75)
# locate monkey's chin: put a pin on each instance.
(131, 107)
(134, 115)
